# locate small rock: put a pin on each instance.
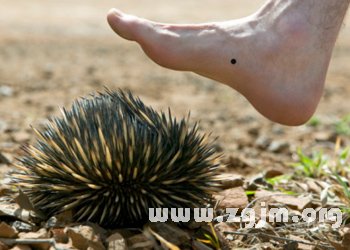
(21, 247)
(59, 235)
(87, 232)
(63, 246)
(6, 91)
(323, 136)
(50, 108)
(278, 146)
(90, 70)
(232, 198)
(41, 234)
(3, 126)
(78, 240)
(83, 237)
(8, 210)
(116, 242)
(21, 136)
(228, 180)
(262, 224)
(254, 131)
(277, 129)
(263, 142)
(7, 231)
(22, 226)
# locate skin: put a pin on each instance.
(291, 40)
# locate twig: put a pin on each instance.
(260, 234)
(10, 242)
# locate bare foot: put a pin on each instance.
(277, 58)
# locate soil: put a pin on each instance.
(52, 52)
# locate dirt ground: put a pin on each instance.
(55, 51)
(52, 52)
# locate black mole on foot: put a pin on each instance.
(233, 61)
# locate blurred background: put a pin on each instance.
(53, 51)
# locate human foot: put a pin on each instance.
(277, 58)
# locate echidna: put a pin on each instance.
(111, 158)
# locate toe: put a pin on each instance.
(122, 24)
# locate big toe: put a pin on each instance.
(123, 24)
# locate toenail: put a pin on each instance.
(116, 12)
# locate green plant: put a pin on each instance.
(342, 162)
(211, 239)
(279, 179)
(344, 185)
(342, 127)
(344, 194)
(314, 121)
(314, 166)
(250, 192)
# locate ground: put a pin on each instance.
(55, 51)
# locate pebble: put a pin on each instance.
(22, 226)
(254, 131)
(116, 242)
(6, 91)
(21, 247)
(278, 146)
(83, 237)
(21, 136)
(325, 136)
(3, 126)
(277, 130)
(263, 142)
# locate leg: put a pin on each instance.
(277, 58)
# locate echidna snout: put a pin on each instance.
(111, 158)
